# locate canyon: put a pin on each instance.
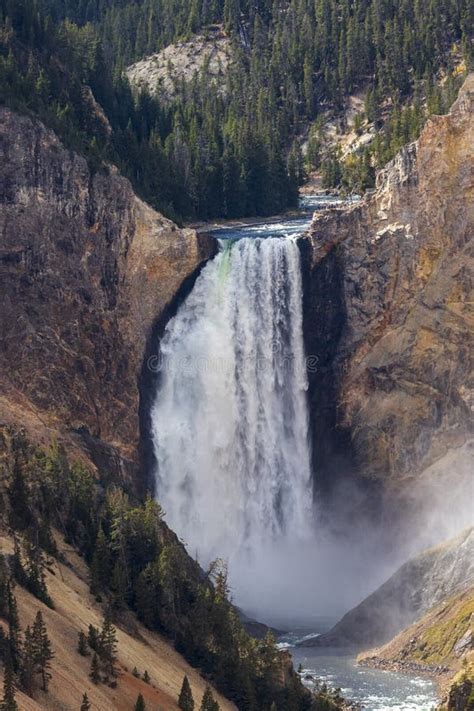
(89, 271)
(91, 276)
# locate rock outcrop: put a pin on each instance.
(165, 72)
(387, 312)
(420, 584)
(87, 271)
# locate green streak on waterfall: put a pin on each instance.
(224, 266)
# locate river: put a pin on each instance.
(373, 689)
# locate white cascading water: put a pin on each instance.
(230, 419)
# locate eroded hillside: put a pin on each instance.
(74, 610)
(163, 74)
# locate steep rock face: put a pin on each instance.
(423, 582)
(386, 311)
(86, 269)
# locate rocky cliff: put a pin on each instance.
(387, 312)
(420, 584)
(87, 272)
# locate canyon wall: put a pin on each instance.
(387, 313)
(419, 585)
(87, 270)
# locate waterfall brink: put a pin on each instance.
(230, 420)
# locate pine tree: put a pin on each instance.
(17, 568)
(136, 673)
(8, 702)
(95, 669)
(34, 574)
(208, 702)
(27, 667)
(14, 642)
(18, 493)
(82, 647)
(108, 646)
(4, 583)
(100, 566)
(86, 704)
(119, 585)
(308, 86)
(146, 677)
(93, 638)
(185, 700)
(43, 653)
(140, 703)
(231, 15)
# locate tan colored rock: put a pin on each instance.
(164, 72)
(388, 310)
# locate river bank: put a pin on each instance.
(438, 673)
(308, 203)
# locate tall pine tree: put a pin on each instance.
(185, 700)
(42, 651)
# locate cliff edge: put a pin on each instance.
(388, 313)
(87, 269)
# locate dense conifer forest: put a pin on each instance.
(213, 153)
(136, 563)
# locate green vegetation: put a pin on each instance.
(86, 704)
(82, 645)
(95, 669)
(234, 152)
(461, 689)
(208, 702)
(8, 701)
(41, 651)
(25, 656)
(149, 572)
(442, 630)
(185, 700)
(402, 124)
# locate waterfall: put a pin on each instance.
(230, 420)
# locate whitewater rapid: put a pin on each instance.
(230, 419)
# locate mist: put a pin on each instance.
(230, 427)
(342, 564)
